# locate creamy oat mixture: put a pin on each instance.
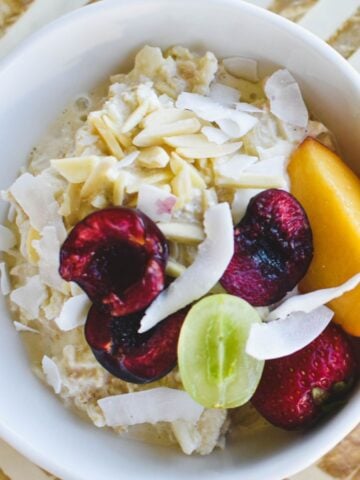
(147, 144)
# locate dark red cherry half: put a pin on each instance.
(118, 257)
(133, 357)
(273, 249)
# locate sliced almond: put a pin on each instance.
(252, 181)
(154, 135)
(209, 152)
(122, 138)
(95, 182)
(177, 164)
(165, 116)
(75, 169)
(127, 161)
(182, 187)
(174, 269)
(135, 118)
(153, 157)
(134, 184)
(195, 140)
(107, 136)
(119, 186)
(182, 232)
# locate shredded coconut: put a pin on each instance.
(52, 373)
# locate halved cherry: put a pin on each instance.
(273, 249)
(118, 257)
(133, 357)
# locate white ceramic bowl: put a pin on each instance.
(69, 57)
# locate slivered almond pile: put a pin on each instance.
(176, 122)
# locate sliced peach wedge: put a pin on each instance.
(330, 194)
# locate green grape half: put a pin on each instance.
(214, 366)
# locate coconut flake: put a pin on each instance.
(223, 94)
(292, 133)
(73, 313)
(156, 203)
(310, 301)
(204, 107)
(48, 248)
(30, 296)
(215, 135)
(5, 284)
(20, 327)
(36, 197)
(7, 239)
(52, 373)
(241, 201)
(288, 335)
(285, 98)
(242, 67)
(237, 124)
(275, 165)
(281, 148)
(232, 122)
(149, 406)
(247, 107)
(213, 257)
(11, 213)
(187, 435)
(234, 165)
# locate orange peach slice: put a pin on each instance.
(330, 194)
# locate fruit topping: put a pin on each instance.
(316, 174)
(273, 249)
(118, 257)
(133, 357)
(296, 390)
(214, 366)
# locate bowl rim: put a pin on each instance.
(347, 423)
